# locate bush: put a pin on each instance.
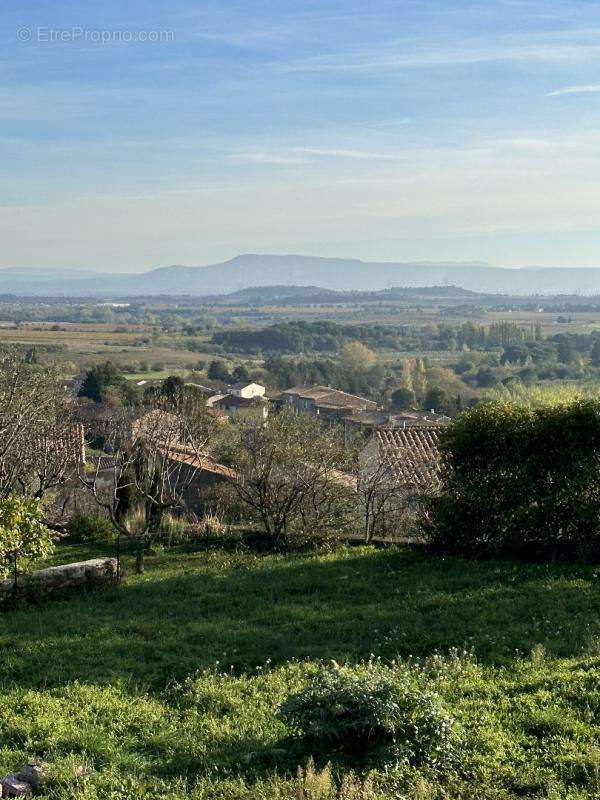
(371, 708)
(89, 528)
(521, 481)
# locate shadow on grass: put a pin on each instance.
(191, 612)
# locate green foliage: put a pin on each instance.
(22, 533)
(402, 398)
(284, 373)
(217, 371)
(360, 710)
(104, 382)
(89, 528)
(522, 481)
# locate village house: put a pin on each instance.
(246, 390)
(330, 405)
(244, 400)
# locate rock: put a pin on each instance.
(94, 572)
(13, 787)
(34, 772)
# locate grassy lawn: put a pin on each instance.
(169, 685)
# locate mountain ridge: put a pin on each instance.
(336, 274)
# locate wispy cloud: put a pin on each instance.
(268, 158)
(337, 152)
(584, 88)
(407, 54)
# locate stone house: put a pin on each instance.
(329, 405)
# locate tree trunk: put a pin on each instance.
(139, 557)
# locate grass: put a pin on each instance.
(170, 684)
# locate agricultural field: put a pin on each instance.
(172, 684)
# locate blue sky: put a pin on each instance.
(392, 130)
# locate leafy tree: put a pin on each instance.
(420, 379)
(23, 535)
(436, 399)
(217, 371)
(103, 381)
(402, 399)
(172, 386)
(595, 353)
(355, 355)
(564, 350)
(240, 373)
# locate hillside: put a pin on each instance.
(333, 274)
(170, 686)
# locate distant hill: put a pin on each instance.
(334, 274)
(310, 295)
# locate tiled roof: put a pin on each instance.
(104, 463)
(325, 396)
(412, 455)
(184, 455)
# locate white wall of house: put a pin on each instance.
(248, 391)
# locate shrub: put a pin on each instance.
(89, 528)
(521, 481)
(371, 708)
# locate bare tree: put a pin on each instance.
(383, 501)
(288, 472)
(154, 459)
(41, 445)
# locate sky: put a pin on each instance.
(139, 134)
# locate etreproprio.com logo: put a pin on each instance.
(77, 33)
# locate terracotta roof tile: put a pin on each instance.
(412, 455)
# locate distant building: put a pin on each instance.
(410, 457)
(247, 390)
(243, 408)
(324, 402)
(214, 398)
(366, 422)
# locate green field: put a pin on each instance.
(169, 685)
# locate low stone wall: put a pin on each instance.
(96, 571)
